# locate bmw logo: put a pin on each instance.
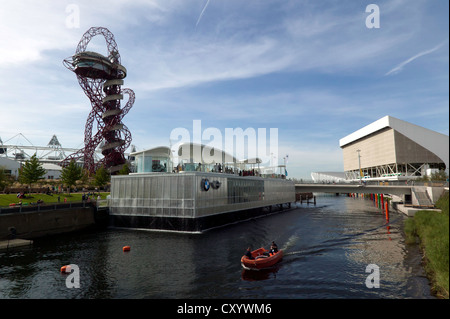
(215, 184)
(205, 184)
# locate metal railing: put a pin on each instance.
(377, 183)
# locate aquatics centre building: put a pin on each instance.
(392, 149)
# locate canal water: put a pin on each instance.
(327, 250)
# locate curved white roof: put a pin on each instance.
(162, 151)
(435, 142)
(206, 154)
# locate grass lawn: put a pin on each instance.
(6, 199)
(432, 229)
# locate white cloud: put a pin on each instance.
(188, 62)
(399, 67)
(29, 28)
(327, 41)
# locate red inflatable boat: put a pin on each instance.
(261, 259)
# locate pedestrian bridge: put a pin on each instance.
(353, 188)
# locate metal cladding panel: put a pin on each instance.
(194, 194)
(240, 193)
(278, 191)
(376, 149)
(408, 151)
(164, 195)
(210, 198)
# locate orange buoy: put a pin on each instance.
(65, 269)
(126, 248)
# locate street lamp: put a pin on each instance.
(359, 164)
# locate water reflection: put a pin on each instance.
(262, 274)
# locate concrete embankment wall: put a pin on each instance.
(50, 222)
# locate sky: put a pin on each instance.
(313, 70)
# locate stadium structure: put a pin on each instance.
(392, 149)
(18, 149)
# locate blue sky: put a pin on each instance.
(312, 69)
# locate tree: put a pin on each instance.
(124, 170)
(4, 179)
(31, 171)
(101, 177)
(439, 176)
(85, 178)
(71, 173)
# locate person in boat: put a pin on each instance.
(273, 248)
(249, 253)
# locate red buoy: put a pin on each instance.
(65, 269)
(126, 248)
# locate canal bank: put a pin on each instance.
(431, 230)
(49, 220)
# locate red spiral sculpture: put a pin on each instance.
(101, 79)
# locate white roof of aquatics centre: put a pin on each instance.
(433, 141)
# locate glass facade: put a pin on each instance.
(151, 163)
(245, 190)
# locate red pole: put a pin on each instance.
(387, 210)
(382, 201)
